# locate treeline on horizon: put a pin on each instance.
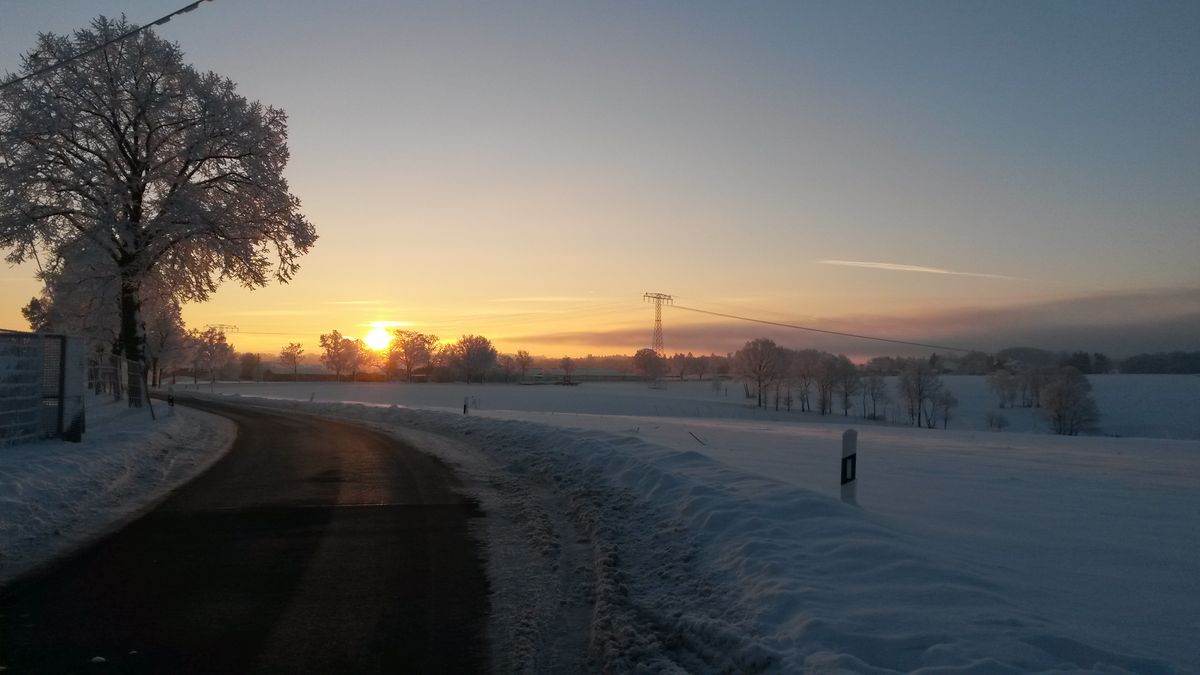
(1054, 383)
(510, 366)
(415, 356)
(171, 346)
(1162, 363)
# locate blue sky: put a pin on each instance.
(457, 155)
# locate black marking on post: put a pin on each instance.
(849, 466)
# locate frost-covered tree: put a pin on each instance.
(825, 377)
(682, 363)
(940, 406)
(523, 360)
(918, 384)
(874, 391)
(474, 355)
(410, 349)
(568, 366)
(1005, 386)
(1067, 402)
(83, 300)
(359, 357)
(649, 363)
(995, 421)
(847, 383)
(166, 336)
(762, 363)
(337, 352)
(803, 373)
(249, 366)
(80, 300)
(290, 357)
(130, 156)
(1030, 380)
(211, 352)
(508, 366)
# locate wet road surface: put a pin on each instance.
(312, 546)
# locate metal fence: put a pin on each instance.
(109, 375)
(41, 387)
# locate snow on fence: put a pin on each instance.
(41, 387)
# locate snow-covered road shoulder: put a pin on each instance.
(56, 496)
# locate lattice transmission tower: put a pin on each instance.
(658, 299)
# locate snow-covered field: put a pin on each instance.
(55, 495)
(681, 529)
(1148, 406)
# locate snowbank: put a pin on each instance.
(1003, 559)
(55, 495)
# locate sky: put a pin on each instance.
(969, 174)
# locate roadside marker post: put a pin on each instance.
(850, 467)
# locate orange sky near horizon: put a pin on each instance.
(527, 172)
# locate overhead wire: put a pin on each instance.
(552, 316)
(87, 52)
(860, 336)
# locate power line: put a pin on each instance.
(821, 330)
(222, 327)
(57, 64)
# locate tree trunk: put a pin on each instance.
(131, 339)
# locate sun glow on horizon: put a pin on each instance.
(378, 338)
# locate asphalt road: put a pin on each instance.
(312, 546)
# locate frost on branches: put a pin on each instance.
(133, 166)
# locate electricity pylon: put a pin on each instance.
(658, 299)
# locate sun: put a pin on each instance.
(378, 339)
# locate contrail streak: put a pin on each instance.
(895, 267)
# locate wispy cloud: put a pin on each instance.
(896, 267)
(355, 302)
